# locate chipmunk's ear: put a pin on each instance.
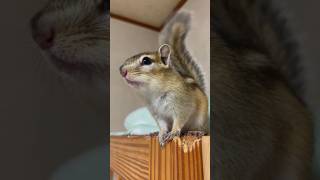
(164, 52)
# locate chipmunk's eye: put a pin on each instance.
(146, 61)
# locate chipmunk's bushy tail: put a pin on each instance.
(257, 25)
(174, 34)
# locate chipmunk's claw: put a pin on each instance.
(162, 141)
(169, 136)
(162, 144)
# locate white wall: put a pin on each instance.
(198, 40)
(127, 39)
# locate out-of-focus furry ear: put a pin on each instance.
(164, 53)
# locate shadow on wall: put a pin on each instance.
(302, 17)
(42, 125)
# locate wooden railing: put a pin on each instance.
(141, 158)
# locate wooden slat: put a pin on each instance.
(156, 148)
(191, 160)
(186, 164)
(162, 164)
(180, 160)
(152, 161)
(175, 163)
(168, 164)
(198, 146)
(130, 156)
(206, 157)
(140, 157)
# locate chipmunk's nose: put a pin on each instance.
(123, 71)
(45, 39)
(44, 35)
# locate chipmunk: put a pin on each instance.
(171, 83)
(262, 129)
(74, 37)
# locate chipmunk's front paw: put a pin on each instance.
(162, 136)
(169, 136)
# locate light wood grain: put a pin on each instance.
(141, 157)
(206, 157)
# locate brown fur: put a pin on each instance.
(262, 130)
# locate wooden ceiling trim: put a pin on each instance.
(178, 6)
(145, 25)
(131, 21)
